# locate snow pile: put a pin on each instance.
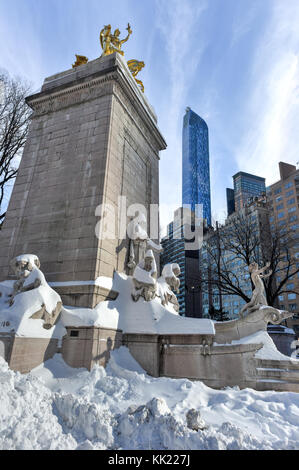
(268, 351)
(135, 317)
(27, 416)
(57, 407)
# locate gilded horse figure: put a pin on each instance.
(135, 66)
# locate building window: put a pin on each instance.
(290, 193)
(281, 298)
(292, 296)
(288, 185)
(280, 215)
(292, 307)
(279, 207)
(291, 201)
(277, 191)
(290, 286)
(292, 209)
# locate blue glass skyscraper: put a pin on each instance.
(196, 164)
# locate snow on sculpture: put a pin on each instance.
(139, 241)
(259, 300)
(145, 278)
(30, 278)
(147, 286)
(169, 282)
(142, 263)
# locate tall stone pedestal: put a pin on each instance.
(93, 138)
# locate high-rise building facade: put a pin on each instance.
(283, 200)
(230, 201)
(177, 250)
(257, 214)
(247, 186)
(196, 164)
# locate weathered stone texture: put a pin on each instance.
(84, 347)
(28, 353)
(93, 137)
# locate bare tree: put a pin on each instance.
(14, 121)
(243, 241)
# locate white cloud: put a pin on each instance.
(273, 105)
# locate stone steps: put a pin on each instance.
(277, 375)
(277, 386)
(288, 365)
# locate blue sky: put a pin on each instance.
(234, 62)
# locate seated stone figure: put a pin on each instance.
(145, 278)
(29, 277)
(168, 283)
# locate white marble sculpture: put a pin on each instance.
(145, 278)
(139, 241)
(258, 298)
(29, 278)
(258, 303)
(169, 283)
(147, 285)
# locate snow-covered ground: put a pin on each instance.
(57, 407)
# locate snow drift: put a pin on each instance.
(57, 407)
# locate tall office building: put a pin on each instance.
(283, 198)
(230, 201)
(196, 165)
(247, 186)
(175, 250)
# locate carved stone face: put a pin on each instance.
(22, 268)
(148, 264)
(23, 265)
(177, 271)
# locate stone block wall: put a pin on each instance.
(86, 346)
(28, 353)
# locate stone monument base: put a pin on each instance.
(84, 295)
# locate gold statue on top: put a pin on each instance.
(135, 66)
(80, 60)
(111, 42)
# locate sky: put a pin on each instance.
(234, 62)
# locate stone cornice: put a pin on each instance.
(86, 88)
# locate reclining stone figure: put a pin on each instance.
(30, 277)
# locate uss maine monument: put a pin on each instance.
(93, 138)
